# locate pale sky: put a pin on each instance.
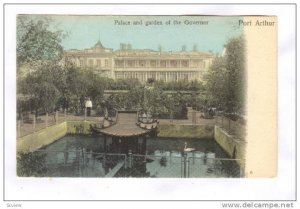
(85, 31)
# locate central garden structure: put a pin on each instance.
(127, 133)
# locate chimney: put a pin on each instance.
(123, 46)
(159, 48)
(195, 48)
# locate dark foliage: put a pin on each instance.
(31, 164)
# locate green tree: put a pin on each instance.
(42, 88)
(235, 66)
(217, 83)
(226, 80)
(36, 43)
(31, 164)
(39, 51)
(80, 84)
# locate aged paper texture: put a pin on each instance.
(156, 102)
(177, 89)
(261, 41)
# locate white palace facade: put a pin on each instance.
(142, 63)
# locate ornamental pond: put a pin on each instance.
(86, 156)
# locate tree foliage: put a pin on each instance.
(226, 81)
(36, 42)
(48, 86)
(151, 100)
(31, 164)
(235, 65)
(42, 87)
(217, 83)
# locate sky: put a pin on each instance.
(85, 31)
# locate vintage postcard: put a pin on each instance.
(111, 96)
(107, 102)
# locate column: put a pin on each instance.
(46, 119)
(34, 121)
(65, 114)
(105, 144)
(85, 62)
(185, 162)
(77, 62)
(56, 117)
(144, 148)
(19, 129)
(129, 158)
(136, 140)
(167, 76)
(139, 76)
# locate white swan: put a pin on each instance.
(187, 149)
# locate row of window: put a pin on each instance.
(143, 63)
(165, 76)
(94, 63)
(159, 63)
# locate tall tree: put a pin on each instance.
(235, 66)
(36, 42)
(226, 80)
(217, 83)
(43, 88)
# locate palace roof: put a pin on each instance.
(132, 53)
(99, 45)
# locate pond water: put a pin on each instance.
(83, 156)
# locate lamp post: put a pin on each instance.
(145, 99)
(185, 164)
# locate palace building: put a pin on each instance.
(142, 63)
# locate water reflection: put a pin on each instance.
(82, 156)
